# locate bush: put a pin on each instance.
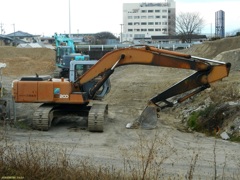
(199, 120)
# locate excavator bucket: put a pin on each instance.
(147, 120)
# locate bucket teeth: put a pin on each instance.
(147, 120)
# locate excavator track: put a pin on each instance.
(96, 117)
(41, 118)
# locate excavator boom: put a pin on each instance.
(145, 56)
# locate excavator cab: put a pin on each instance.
(60, 52)
(78, 68)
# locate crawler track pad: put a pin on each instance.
(96, 117)
(147, 120)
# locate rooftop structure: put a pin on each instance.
(220, 24)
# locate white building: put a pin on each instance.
(143, 20)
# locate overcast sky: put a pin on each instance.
(45, 17)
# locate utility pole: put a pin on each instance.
(69, 20)
(121, 33)
(14, 33)
(1, 27)
(211, 30)
(14, 30)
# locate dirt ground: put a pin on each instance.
(131, 87)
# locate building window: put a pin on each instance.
(130, 23)
(144, 11)
(136, 17)
(150, 11)
(143, 29)
(164, 11)
(130, 30)
(164, 17)
(129, 17)
(150, 17)
(164, 30)
(164, 23)
(143, 23)
(150, 29)
(157, 11)
(157, 29)
(136, 23)
(137, 30)
(157, 17)
(157, 23)
(143, 17)
(139, 36)
(150, 23)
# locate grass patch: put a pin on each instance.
(235, 138)
(22, 125)
(197, 119)
(193, 120)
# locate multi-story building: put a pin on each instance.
(143, 20)
(220, 24)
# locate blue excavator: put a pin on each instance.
(65, 53)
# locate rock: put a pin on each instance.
(224, 136)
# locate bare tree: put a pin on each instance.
(188, 24)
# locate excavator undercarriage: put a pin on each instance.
(46, 114)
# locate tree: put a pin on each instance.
(105, 35)
(188, 24)
(101, 37)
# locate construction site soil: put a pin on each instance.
(131, 88)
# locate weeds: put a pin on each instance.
(44, 161)
(141, 160)
(146, 161)
(41, 161)
(192, 166)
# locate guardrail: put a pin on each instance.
(118, 46)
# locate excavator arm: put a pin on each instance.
(207, 72)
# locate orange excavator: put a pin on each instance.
(60, 97)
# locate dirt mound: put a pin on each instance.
(210, 49)
(232, 57)
(27, 61)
